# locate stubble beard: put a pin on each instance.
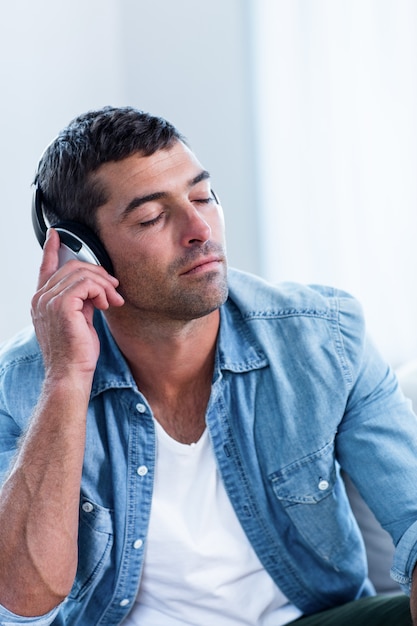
(211, 293)
(186, 298)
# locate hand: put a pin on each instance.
(63, 308)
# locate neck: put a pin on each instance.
(173, 368)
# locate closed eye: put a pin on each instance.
(153, 221)
(203, 200)
(209, 200)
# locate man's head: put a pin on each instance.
(131, 178)
(65, 173)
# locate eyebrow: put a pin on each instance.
(139, 200)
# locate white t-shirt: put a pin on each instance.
(199, 567)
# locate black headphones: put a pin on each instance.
(77, 241)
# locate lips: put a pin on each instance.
(202, 264)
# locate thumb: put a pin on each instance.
(50, 260)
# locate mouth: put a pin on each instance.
(204, 265)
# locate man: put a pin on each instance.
(172, 438)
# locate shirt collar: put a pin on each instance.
(237, 348)
(112, 370)
(237, 351)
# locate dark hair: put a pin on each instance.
(64, 176)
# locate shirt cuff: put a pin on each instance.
(405, 558)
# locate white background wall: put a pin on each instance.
(184, 60)
(336, 89)
(304, 111)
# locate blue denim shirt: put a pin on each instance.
(298, 392)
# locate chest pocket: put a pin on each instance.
(95, 539)
(313, 497)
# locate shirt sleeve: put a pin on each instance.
(9, 436)
(405, 559)
(377, 441)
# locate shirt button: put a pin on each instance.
(87, 507)
(323, 485)
(124, 602)
(142, 470)
(138, 544)
(140, 407)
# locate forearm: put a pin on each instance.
(39, 503)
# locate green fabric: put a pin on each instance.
(372, 611)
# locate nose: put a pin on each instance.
(195, 229)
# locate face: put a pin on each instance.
(164, 232)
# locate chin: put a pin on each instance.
(194, 306)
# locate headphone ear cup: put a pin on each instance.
(79, 241)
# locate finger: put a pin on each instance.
(84, 282)
(50, 260)
(101, 293)
(52, 275)
(92, 287)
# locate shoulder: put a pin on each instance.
(21, 375)
(325, 323)
(255, 296)
(20, 349)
